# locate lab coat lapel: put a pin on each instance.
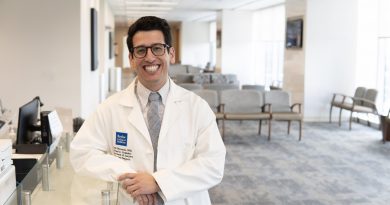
(172, 111)
(136, 119)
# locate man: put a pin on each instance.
(170, 157)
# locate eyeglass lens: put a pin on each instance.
(157, 50)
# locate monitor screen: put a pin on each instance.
(27, 122)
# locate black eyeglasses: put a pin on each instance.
(157, 49)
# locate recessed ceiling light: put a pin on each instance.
(159, 3)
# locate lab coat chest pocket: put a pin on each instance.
(121, 146)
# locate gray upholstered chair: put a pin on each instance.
(211, 97)
(191, 86)
(202, 78)
(341, 100)
(253, 87)
(362, 105)
(184, 78)
(244, 105)
(193, 69)
(176, 69)
(231, 79)
(282, 109)
(221, 87)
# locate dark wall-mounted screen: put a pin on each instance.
(94, 39)
(294, 33)
(110, 45)
(27, 122)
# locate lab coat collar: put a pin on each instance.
(171, 114)
(129, 99)
(173, 109)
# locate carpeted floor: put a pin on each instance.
(331, 165)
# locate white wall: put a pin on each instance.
(40, 53)
(195, 43)
(367, 44)
(384, 18)
(45, 51)
(237, 50)
(330, 54)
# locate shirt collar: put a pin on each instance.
(143, 93)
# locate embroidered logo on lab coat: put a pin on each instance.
(120, 149)
(121, 138)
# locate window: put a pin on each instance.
(268, 47)
(383, 74)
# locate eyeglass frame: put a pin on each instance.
(166, 46)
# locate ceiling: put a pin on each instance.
(182, 10)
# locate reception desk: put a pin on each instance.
(56, 183)
(50, 179)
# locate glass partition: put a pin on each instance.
(53, 181)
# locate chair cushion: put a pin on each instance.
(346, 106)
(365, 109)
(247, 116)
(286, 116)
(337, 103)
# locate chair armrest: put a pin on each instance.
(265, 106)
(371, 103)
(344, 97)
(296, 104)
(221, 108)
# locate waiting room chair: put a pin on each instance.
(191, 86)
(184, 78)
(253, 87)
(220, 87)
(341, 100)
(244, 105)
(283, 110)
(211, 97)
(362, 105)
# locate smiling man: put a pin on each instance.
(158, 140)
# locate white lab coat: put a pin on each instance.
(191, 155)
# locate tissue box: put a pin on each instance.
(5, 154)
(5, 149)
(7, 183)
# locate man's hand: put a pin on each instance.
(147, 199)
(137, 184)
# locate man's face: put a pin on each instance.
(152, 70)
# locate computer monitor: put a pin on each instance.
(28, 122)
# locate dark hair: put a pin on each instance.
(149, 23)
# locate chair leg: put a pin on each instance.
(260, 127)
(300, 130)
(368, 120)
(223, 130)
(269, 130)
(340, 117)
(350, 121)
(330, 114)
(288, 127)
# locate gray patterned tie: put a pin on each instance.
(154, 122)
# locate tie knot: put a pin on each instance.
(154, 96)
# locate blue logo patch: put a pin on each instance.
(121, 138)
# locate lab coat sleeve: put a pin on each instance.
(204, 170)
(89, 150)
